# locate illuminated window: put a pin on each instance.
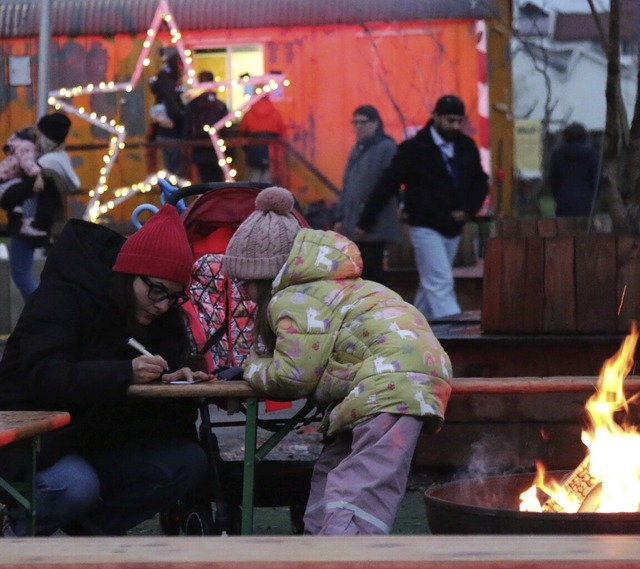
(231, 63)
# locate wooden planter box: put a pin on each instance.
(549, 276)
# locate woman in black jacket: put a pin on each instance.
(120, 460)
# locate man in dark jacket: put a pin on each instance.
(445, 186)
(205, 110)
(120, 460)
(573, 174)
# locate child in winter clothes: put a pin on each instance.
(20, 162)
(353, 346)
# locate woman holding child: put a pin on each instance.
(33, 178)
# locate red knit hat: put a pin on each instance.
(160, 249)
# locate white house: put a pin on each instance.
(559, 67)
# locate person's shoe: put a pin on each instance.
(5, 525)
(29, 231)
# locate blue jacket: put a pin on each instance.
(573, 177)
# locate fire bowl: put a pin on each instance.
(490, 506)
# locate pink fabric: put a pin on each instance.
(361, 477)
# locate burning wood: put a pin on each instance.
(608, 479)
(578, 483)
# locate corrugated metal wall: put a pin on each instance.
(108, 17)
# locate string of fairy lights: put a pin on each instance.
(102, 198)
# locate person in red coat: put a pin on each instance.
(264, 161)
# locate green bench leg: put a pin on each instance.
(24, 492)
(250, 441)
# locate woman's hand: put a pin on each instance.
(148, 368)
(187, 374)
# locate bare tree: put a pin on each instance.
(621, 145)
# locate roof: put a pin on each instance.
(20, 18)
(573, 6)
(573, 20)
(580, 27)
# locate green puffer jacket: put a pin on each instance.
(352, 345)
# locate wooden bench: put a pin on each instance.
(475, 353)
(505, 424)
(388, 552)
(16, 426)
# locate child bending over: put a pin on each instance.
(354, 347)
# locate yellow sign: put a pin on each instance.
(528, 146)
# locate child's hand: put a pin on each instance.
(38, 185)
(232, 373)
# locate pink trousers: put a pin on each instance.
(361, 477)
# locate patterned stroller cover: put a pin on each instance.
(218, 312)
(217, 309)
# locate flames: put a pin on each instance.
(608, 479)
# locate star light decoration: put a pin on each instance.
(99, 204)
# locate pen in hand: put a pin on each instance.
(140, 348)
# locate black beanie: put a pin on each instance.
(55, 127)
(449, 105)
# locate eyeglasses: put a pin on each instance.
(453, 119)
(159, 293)
(358, 122)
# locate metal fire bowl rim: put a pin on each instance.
(431, 497)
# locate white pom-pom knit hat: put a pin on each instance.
(262, 243)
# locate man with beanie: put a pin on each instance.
(120, 460)
(445, 186)
(354, 346)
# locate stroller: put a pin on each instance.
(220, 323)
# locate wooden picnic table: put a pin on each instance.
(233, 394)
(18, 426)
